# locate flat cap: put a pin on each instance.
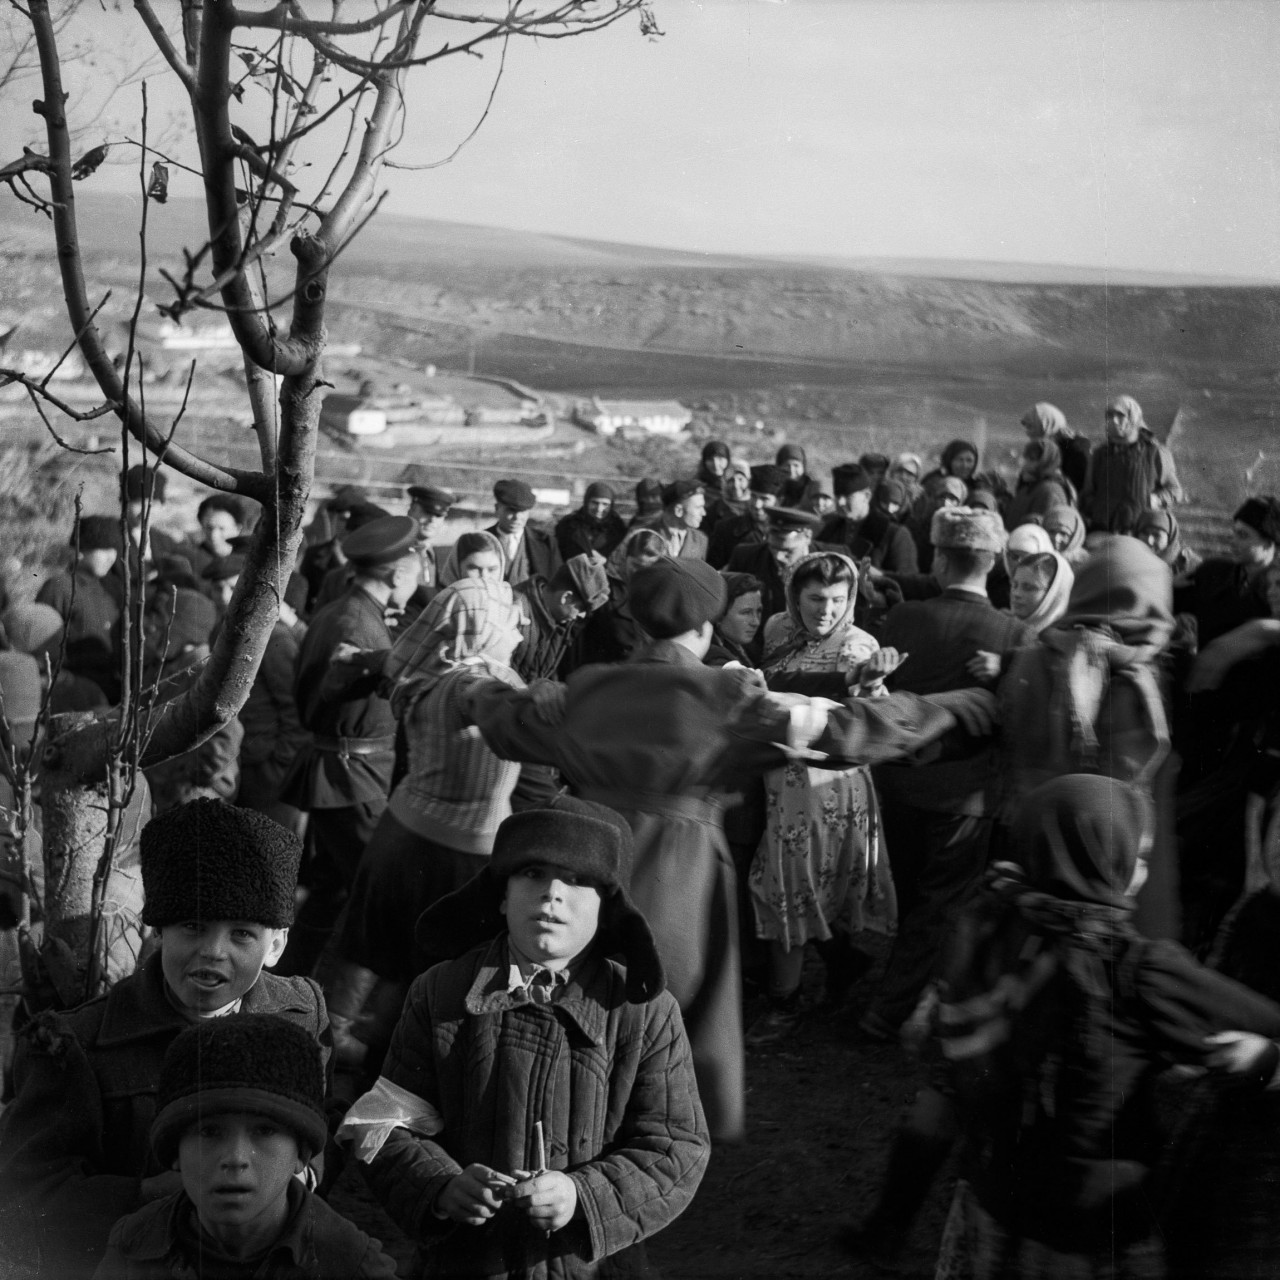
(768, 479)
(143, 482)
(434, 501)
(785, 519)
(966, 528)
(514, 494)
(678, 491)
(346, 497)
(362, 513)
(674, 596)
(382, 541)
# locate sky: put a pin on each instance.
(1117, 134)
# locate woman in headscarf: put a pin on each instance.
(730, 498)
(1025, 541)
(611, 633)
(480, 555)
(713, 464)
(1044, 421)
(1065, 525)
(1088, 697)
(1161, 532)
(1041, 484)
(438, 828)
(594, 527)
(1040, 590)
(1056, 1016)
(799, 486)
(820, 872)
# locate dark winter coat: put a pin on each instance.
(578, 534)
(612, 1083)
(352, 752)
(75, 1141)
(317, 1244)
(939, 637)
(729, 534)
(1133, 473)
(886, 543)
(273, 732)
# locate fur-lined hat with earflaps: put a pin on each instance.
(579, 835)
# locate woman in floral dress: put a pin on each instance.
(820, 873)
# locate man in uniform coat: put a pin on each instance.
(343, 775)
(789, 540)
(430, 507)
(657, 739)
(937, 815)
(752, 526)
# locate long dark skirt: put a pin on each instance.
(400, 876)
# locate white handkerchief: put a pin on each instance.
(385, 1107)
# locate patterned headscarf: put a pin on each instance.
(794, 635)
(616, 567)
(467, 623)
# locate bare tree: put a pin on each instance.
(337, 86)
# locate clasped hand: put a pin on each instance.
(473, 1196)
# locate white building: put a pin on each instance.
(658, 417)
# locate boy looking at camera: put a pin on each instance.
(538, 1107)
(218, 885)
(239, 1112)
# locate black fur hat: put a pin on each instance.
(256, 1063)
(209, 860)
(1262, 515)
(586, 837)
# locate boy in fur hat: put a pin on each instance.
(74, 1142)
(239, 1112)
(537, 1112)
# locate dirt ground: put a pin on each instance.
(821, 1108)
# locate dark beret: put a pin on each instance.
(674, 596)
(514, 494)
(874, 462)
(382, 541)
(649, 491)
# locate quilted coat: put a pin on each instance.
(611, 1081)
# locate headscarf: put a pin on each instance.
(1044, 459)
(616, 567)
(985, 499)
(795, 636)
(1025, 540)
(1049, 418)
(463, 624)
(712, 449)
(480, 540)
(891, 493)
(1127, 405)
(1162, 519)
(955, 448)
(1125, 588)
(1054, 604)
(1068, 520)
(943, 485)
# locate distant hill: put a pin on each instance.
(449, 286)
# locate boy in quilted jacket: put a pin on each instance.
(537, 1116)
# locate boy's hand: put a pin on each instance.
(548, 1198)
(472, 1196)
(161, 1185)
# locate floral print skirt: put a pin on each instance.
(821, 866)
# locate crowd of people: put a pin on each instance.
(475, 881)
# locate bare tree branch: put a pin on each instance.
(165, 45)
